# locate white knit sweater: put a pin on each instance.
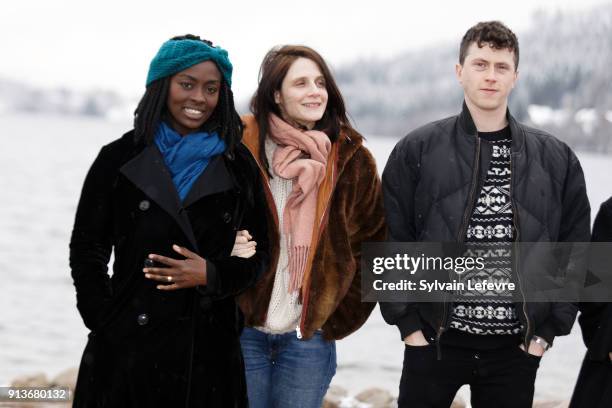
(284, 311)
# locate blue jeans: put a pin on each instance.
(284, 372)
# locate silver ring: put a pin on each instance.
(169, 278)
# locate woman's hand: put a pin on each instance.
(179, 273)
(244, 247)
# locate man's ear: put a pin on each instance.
(516, 76)
(458, 71)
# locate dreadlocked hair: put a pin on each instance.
(152, 110)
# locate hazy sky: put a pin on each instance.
(108, 44)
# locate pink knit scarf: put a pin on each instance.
(301, 156)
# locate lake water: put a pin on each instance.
(43, 161)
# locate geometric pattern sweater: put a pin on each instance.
(490, 225)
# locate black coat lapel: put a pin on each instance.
(214, 179)
(149, 173)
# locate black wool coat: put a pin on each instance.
(152, 348)
(595, 317)
(594, 384)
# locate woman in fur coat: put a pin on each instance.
(324, 200)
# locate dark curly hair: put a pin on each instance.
(152, 110)
(492, 33)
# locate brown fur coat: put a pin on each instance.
(350, 209)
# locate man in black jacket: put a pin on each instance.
(482, 178)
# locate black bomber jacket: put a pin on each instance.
(431, 183)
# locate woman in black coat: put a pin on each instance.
(168, 198)
(594, 385)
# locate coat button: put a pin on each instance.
(144, 205)
(149, 263)
(205, 303)
(142, 319)
(227, 217)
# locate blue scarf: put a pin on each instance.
(187, 156)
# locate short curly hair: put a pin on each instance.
(492, 33)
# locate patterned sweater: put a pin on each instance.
(490, 226)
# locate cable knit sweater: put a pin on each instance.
(284, 310)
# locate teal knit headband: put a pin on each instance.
(177, 55)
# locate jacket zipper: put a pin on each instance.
(515, 256)
(460, 237)
(470, 207)
(300, 328)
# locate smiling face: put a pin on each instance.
(302, 98)
(193, 96)
(487, 76)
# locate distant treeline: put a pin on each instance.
(565, 85)
(565, 82)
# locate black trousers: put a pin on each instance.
(498, 378)
(594, 385)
